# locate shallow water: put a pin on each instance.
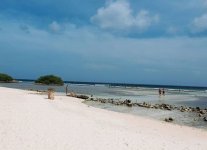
(181, 118)
(184, 97)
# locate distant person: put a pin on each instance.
(66, 89)
(160, 91)
(163, 91)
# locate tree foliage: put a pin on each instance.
(5, 78)
(50, 80)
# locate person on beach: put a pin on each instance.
(163, 91)
(160, 91)
(66, 89)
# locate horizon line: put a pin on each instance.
(122, 84)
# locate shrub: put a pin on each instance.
(5, 78)
(49, 80)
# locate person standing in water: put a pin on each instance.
(160, 91)
(66, 89)
(163, 91)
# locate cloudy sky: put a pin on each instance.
(130, 41)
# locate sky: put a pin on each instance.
(127, 41)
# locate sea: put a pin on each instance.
(189, 96)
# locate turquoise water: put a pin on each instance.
(185, 97)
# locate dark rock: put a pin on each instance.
(110, 101)
(127, 101)
(170, 119)
(156, 106)
(202, 111)
(146, 105)
(182, 110)
(193, 109)
(129, 104)
(168, 108)
(198, 108)
(117, 103)
(82, 96)
(139, 104)
(165, 107)
(205, 119)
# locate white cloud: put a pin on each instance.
(54, 27)
(200, 23)
(119, 15)
(144, 19)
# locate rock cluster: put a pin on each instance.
(78, 96)
(163, 106)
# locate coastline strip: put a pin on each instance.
(31, 121)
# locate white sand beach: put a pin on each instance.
(30, 121)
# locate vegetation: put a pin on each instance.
(5, 78)
(49, 80)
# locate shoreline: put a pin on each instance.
(184, 115)
(31, 121)
(162, 106)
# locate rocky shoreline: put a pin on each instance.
(202, 113)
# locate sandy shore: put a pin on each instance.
(32, 122)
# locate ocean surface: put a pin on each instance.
(175, 95)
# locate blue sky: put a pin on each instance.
(131, 41)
